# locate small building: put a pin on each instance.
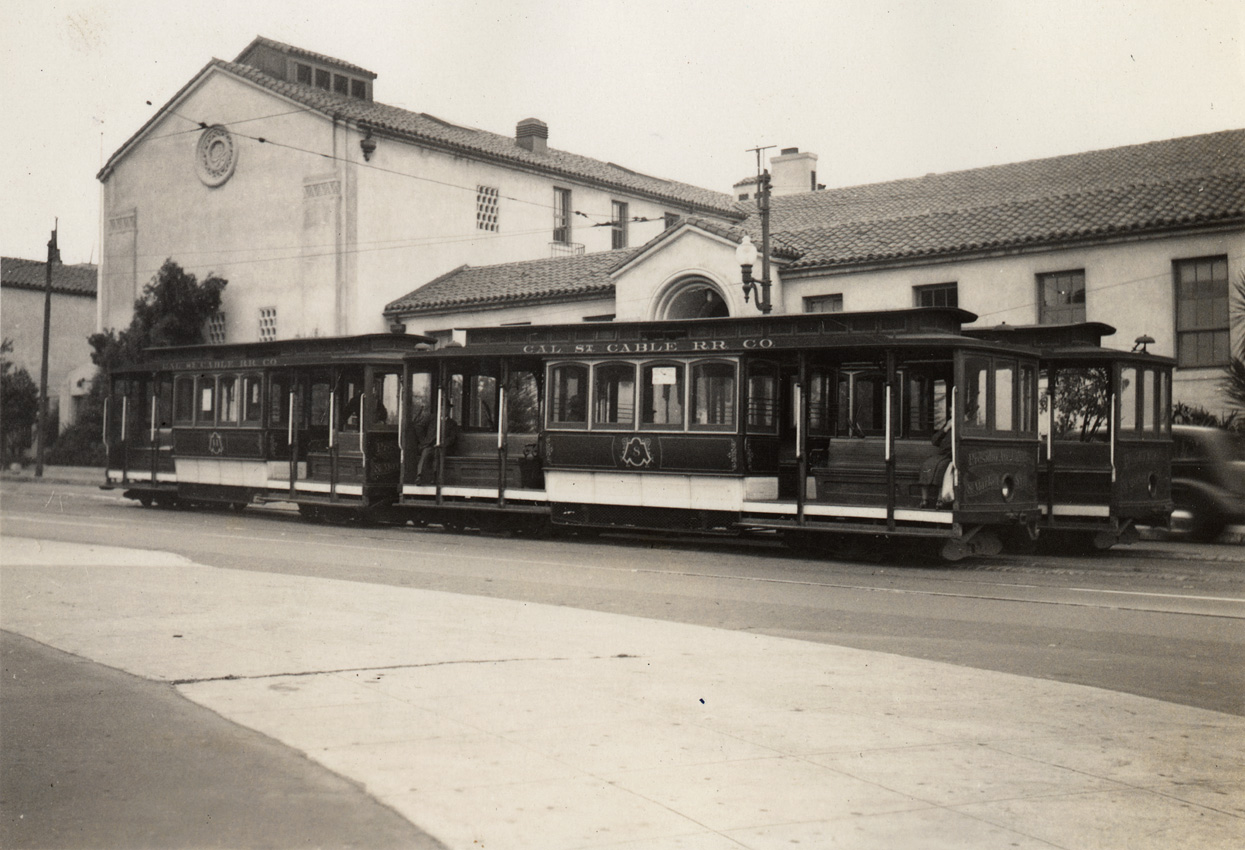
(70, 370)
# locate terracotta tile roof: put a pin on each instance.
(78, 279)
(560, 278)
(1160, 185)
(426, 129)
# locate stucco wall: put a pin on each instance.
(327, 241)
(73, 320)
(1128, 285)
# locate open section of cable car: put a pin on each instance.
(1105, 423)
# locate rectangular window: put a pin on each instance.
(618, 224)
(1004, 411)
(613, 403)
(1128, 398)
(762, 401)
(228, 402)
(252, 399)
(206, 414)
(341, 84)
(279, 400)
(976, 394)
(823, 303)
(1202, 312)
(662, 386)
(303, 73)
(561, 215)
(486, 208)
(713, 396)
(323, 79)
(358, 89)
(267, 324)
(215, 331)
(936, 295)
(1061, 297)
(568, 395)
(184, 400)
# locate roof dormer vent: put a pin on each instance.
(532, 134)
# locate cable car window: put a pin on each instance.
(472, 399)
(1128, 398)
(164, 401)
(925, 397)
(349, 400)
(662, 386)
(252, 399)
(820, 402)
(1165, 403)
(421, 395)
(1028, 380)
(713, 395)
(1004, 412)
(568, 394)
(1082, 403)
(385, 386)
(318, 410)
(206, 414)
(522, 403)
(976, 392)
(184, 400)
(613, 403)
(278, 400)
(762, 385)
(227, 392)
(867, 403)
(1148, 399)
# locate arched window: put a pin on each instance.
(693, 298)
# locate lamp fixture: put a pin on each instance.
(367, 144)
(1141, 342)
(746, 253)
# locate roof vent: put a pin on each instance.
(532, 134)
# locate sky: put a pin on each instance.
(682, 90)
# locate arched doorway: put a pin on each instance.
(694, 298)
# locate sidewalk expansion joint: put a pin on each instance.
(232, 677)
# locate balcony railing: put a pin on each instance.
(565, 249)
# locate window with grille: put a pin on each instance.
(936, 295)
(561, 215)
(323, 79)
(1201, 311)
(618, 224)
(267, 324)
(303, 73)
(824, 303)
(486, 208)
(215, 331)
(1061, 297)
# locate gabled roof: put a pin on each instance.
(1198, 180)
(78, 279)
(427, 130)
(559, 278)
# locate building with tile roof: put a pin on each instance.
(282, 173)
(73, 319)
(1145, 237)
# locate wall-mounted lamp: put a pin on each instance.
(368, 145)
(746, 253)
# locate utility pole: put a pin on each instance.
(54, 256)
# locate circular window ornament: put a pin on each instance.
(216, 157)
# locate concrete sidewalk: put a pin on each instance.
(498, 724)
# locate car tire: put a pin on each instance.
(1204, 524)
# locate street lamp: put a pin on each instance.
(746, 253)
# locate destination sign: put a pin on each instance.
(665, 346)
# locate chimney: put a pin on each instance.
(793, 172)
(532, 134)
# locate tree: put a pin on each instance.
(19, 405)
(173, 310)
(1233, 381)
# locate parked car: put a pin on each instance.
(1208, 480)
